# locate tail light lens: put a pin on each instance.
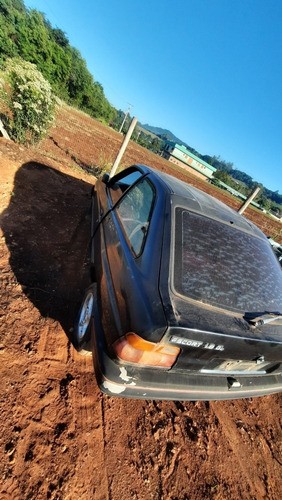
(134, 349)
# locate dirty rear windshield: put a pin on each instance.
(222, 266)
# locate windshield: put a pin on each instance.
(220, 265)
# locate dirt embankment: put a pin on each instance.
(61, 438)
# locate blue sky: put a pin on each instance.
(208, 70)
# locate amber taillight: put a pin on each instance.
(134, 349)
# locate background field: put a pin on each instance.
(61, 438)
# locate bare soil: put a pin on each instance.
(61, 438)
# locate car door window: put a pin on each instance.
(134, 211)
(118, 187)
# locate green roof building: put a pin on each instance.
(181, 156)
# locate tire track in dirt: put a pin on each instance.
(56, 449)
(86, 400)
(242, 461)
(248, 445)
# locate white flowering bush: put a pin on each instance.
(27, 101)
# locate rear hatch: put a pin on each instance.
(224, 298)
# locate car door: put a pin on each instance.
(123, 232)
(107, 194)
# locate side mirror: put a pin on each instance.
(106, 178)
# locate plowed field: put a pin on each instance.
(60, 437)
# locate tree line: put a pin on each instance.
(244, 183)
(28, 34)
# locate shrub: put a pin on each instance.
(27, 100)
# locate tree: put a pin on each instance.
(7, 44)
(263, 202)
(60, 37)
(222, 176)
(29, 34)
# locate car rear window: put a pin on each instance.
(220, 265)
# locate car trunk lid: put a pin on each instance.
(223, 280)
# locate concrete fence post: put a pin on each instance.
(3, 131)
(123, 147)
(248, 200)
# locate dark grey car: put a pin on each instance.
(186, 302)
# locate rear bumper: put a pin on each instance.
(120, 379)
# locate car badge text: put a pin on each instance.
(196, 343)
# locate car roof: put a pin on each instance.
(202, 203)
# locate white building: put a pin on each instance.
(181, 156)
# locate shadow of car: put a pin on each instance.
(46, 228)
(186, 303)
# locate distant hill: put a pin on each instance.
(162, 132)
(166, 135)
(147, 131)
